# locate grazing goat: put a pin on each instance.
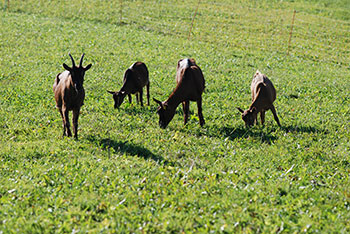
(263, 96)
(135, 78)
(70, 94)
(190, 86)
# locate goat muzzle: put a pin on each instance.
(78, 88)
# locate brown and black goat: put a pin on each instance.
(263, 96)
(135, 78)
(70, 94)
(190, 86)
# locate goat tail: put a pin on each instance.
(57, 80)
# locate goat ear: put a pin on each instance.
(88, 67)
(158, 102)
(65, 66)
(111, 92)
(240, 110)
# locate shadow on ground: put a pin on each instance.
(136, 109)
(299, 129)
(265, 135)
(127, 148)
(232, 133)
(243, 132)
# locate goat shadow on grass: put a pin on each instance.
(132, 109)
(243, 132)
(127, 148)
(299, 129)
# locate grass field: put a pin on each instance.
(125, 174)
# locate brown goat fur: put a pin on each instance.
(190, 86)
(135, 78)
(70, 94)
(263, 96)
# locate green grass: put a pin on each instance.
(125, 174)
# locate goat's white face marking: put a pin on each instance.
(185, 63)
(257, 73)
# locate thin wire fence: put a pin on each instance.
(233, 24)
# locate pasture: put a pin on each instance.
(125, 174)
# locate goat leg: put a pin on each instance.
(66, 120)
(130, 99)
(200, 114)
(186, 108)
(75, 122)
(275, 115)
(64, 123)
(147, 87)
(140, 96)
(262, 116)
(137, 98)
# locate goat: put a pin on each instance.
(70, 94)
(263, 96)
(135, 78)
(190, 86)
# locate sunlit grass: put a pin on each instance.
(125, 174)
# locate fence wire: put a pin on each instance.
(234, 24)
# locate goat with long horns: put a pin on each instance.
(70, 94)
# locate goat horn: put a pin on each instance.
(240, 110)
(81, 60)
(158, 102)
(72, 59)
